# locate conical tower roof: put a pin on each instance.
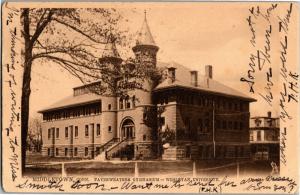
(110, 53)
(110, 50)
(144, 35)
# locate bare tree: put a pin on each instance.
(34, 137)
(70, 39)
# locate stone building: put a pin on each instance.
(208, 119)
(264, 137)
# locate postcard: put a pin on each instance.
(150, 97)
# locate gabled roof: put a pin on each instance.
(72, 101)
(183, 80)
(144, 35)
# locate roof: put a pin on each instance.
(204, 83)
(73, 100)
(110, 50)
(144, 35)
(87, 84)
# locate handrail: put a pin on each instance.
(116, 145)
(112, 149)
(111, 140)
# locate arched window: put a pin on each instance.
(127, 102)
(128, 130)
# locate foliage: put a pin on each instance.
(167, 136)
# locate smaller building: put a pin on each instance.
(264, 137)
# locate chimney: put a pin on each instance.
(208, 71)
(171, 74)
(269, 114)
(194, 78)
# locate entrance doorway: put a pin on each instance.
(127, 130)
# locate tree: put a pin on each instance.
(70, 38)
(34, 137)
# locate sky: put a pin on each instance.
(191, 34)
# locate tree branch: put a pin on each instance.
(43, 25)
(78, 30)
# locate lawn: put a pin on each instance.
(145, 168)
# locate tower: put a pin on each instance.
(145, 49)
(110, 54)
(111, 60)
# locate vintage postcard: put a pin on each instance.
(150, 97)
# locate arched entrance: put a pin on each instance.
(127, 129)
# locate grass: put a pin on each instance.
(146, 168)
(38, 158)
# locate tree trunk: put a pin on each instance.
(25, 88)
(25, 104)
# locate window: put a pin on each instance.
(230, 106)
(76, 131)
(224, 152)
(86, 151)
(97, 109)
(206, 125)
(241, 125)
(49, 151)
(66, 132)
(224, 125)
(241, 106)
(121, 104)
(166, 99)
(199, 101)
(187, 124)
(49, 133)
(257, 122)
(56, 151)
(162, 121)
(218, 124)
(98, 129)
(75, 151)
(251, 136)
(57, 132)
(127, 102)
(86, 130)
(200, 151)
(66, 151)
(258, 135)
(230, 125)
(133, 101)
(235, 125)
(144, 137)
(109, 106)
(97, 150)
(200, 125)
(109, 129)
